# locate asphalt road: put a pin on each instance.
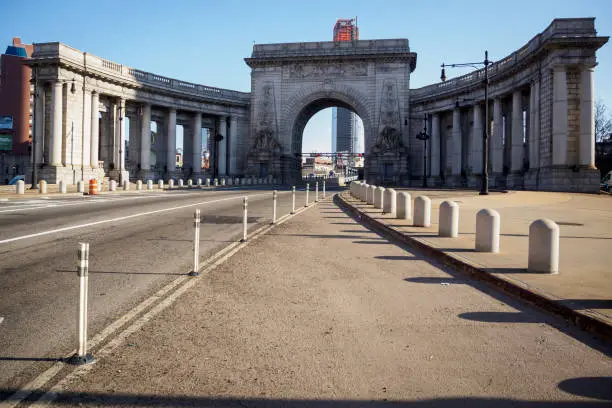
(138, 242)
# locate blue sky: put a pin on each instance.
(206, 41)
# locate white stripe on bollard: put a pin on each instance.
(274, 198)
(487, 230)
(82, 357)
(245, 204)
(293, 200)
(196, 244)
(307, 191)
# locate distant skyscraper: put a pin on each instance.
(344, 132)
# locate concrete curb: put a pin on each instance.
(586, 320)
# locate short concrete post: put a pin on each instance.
(42, 187)
(293, 200)
(543, 247)
(149, 184)
(207, 182)
(223, 181)
(196, 244)
(307, 191)
(62, 187)
(323, 188)
(487, 230)
(81, 356)
(274, 198)
(20, 187)
(80, 186)
(371, 191)
(199, 182)
(216, 182)
(230, 181)
(449, 219)
(171, 184)
(180, 183)
(245, 204)
(404, 210)
(379, 197)
(126, 185)
(160, 184)
(389, 203)
(422, 211)
(139, 185)
(112, 185)
(190, 183)
(317, 192)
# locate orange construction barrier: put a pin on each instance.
(93, 187)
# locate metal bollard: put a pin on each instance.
(422, 211)
(307, 191)
(196, 244)
(62, 187)
(449, 219)
(139, 185)
(404, 212)
(81, 356)
(245, 204)
(274, 198)
(42, 187)
(293, 200)
(487, 230)
(317, 192)
(20, 187)
(323, 188)
(126, 185)
(149, 184)
(543, 247)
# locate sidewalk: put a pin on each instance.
(321, 311)
(584, 282)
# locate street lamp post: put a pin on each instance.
(424, 136)
(484, 188)
(34, 126)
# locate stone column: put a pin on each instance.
(233, 143)
(497, 146)
(197, 143)
(559, 127)
(587, 119)
(435, 145)
(534, 125)
(456, 135)
(145, 137)
(95, 131)
(477, 134)
(517, 133)
(87, 129)
(39, 117)
(56, 124)
(222, 146)
(121, 134)
(171, 146)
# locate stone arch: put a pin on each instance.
(309, 100)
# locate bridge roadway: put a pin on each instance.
(138, 242)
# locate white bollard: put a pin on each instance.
(216, 182)
(379, 197)
(274, 198)
(230, 181)
(422, 211)
(81, 356)
(190, 183)
(199, 182)
(223, 181)
(171, 184)
(543, 247)
(245, 204)
(323, 188)
(404, 210)
(112, 185)
(448, 225)
(487, 230)
(363, 193)
(181, 184)
(317, 192)
(62, 187)
(389, 203)
(307, 191)
(139, 185)
(149, 184)
(20, 187)
(371, 193)
(42, 187)
(293, 200)
(80, 186)
(126, 185)
(160, 184)
(207, 182)
(196, 244)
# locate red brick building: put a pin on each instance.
(15, 110)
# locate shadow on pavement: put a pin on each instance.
(500, 317)
(435, 280)
(397, 257)
(4, 358)
(318, 236)
(591, 387)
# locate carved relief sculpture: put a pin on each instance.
(389, 136)
(266, 123)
